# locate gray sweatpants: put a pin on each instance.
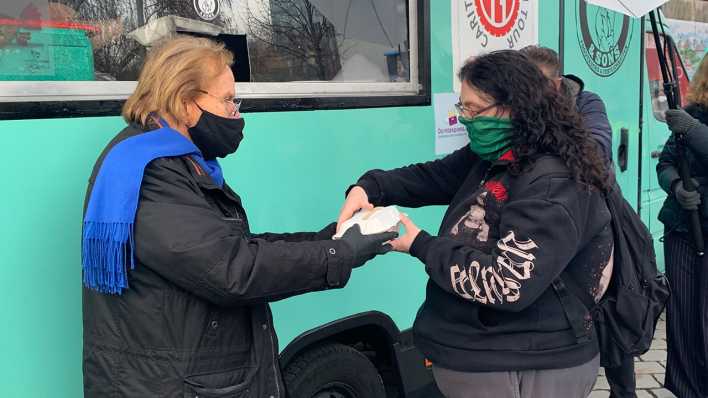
(575, 382)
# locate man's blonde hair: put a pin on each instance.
(698, 93)
(173, 74)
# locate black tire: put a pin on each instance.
(333, 371)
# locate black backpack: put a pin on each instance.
(625, 317)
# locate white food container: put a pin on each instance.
(373, 221)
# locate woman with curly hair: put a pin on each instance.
(496, 322)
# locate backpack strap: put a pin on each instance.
(573, 313)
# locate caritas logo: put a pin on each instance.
(497, 16)
(491, 20)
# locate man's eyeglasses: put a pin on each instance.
(233, 101)
(469, 113)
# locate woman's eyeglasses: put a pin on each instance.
(469, 113)
(234, 102)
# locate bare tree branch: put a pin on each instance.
(298, 30)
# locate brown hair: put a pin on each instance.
(698, 92)
(543, 57)
(173, 74)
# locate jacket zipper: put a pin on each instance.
(275, 359)
(484, 178)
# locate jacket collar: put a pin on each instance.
(504, 160)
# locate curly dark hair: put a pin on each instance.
(544, 121)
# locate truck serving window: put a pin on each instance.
(82, 57)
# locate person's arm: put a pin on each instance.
(594, 115)
(324, 234)
(182, 238)
(670, 180)
(697, 141)
(681, 122)
(527, 259)
(666, 168)
(421, 184)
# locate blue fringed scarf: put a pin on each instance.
(107, 245)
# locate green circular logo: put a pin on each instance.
(604, 37)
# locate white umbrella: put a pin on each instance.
(373, 21)
(633, 8)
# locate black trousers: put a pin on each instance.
(686, 318)
(621, 379)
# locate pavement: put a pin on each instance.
(649, 368)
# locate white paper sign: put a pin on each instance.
(450, 134)
(482, 26)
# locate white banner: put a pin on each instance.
(482, 26)
(450, 134)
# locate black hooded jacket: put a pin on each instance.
(504, 239)
(195, 319)
(672, 215)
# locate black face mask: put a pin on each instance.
(216, 136)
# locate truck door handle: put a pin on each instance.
(623, 149)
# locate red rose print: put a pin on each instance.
(497, 190)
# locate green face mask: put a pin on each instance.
(490, 137)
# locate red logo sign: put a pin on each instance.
(497, 16)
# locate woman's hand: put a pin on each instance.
(357, 199)
(689, 200)
(680, 122)
(404, 242)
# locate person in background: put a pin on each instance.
(493, 323)
(176, 286)
(589, 105)
(687, 309)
